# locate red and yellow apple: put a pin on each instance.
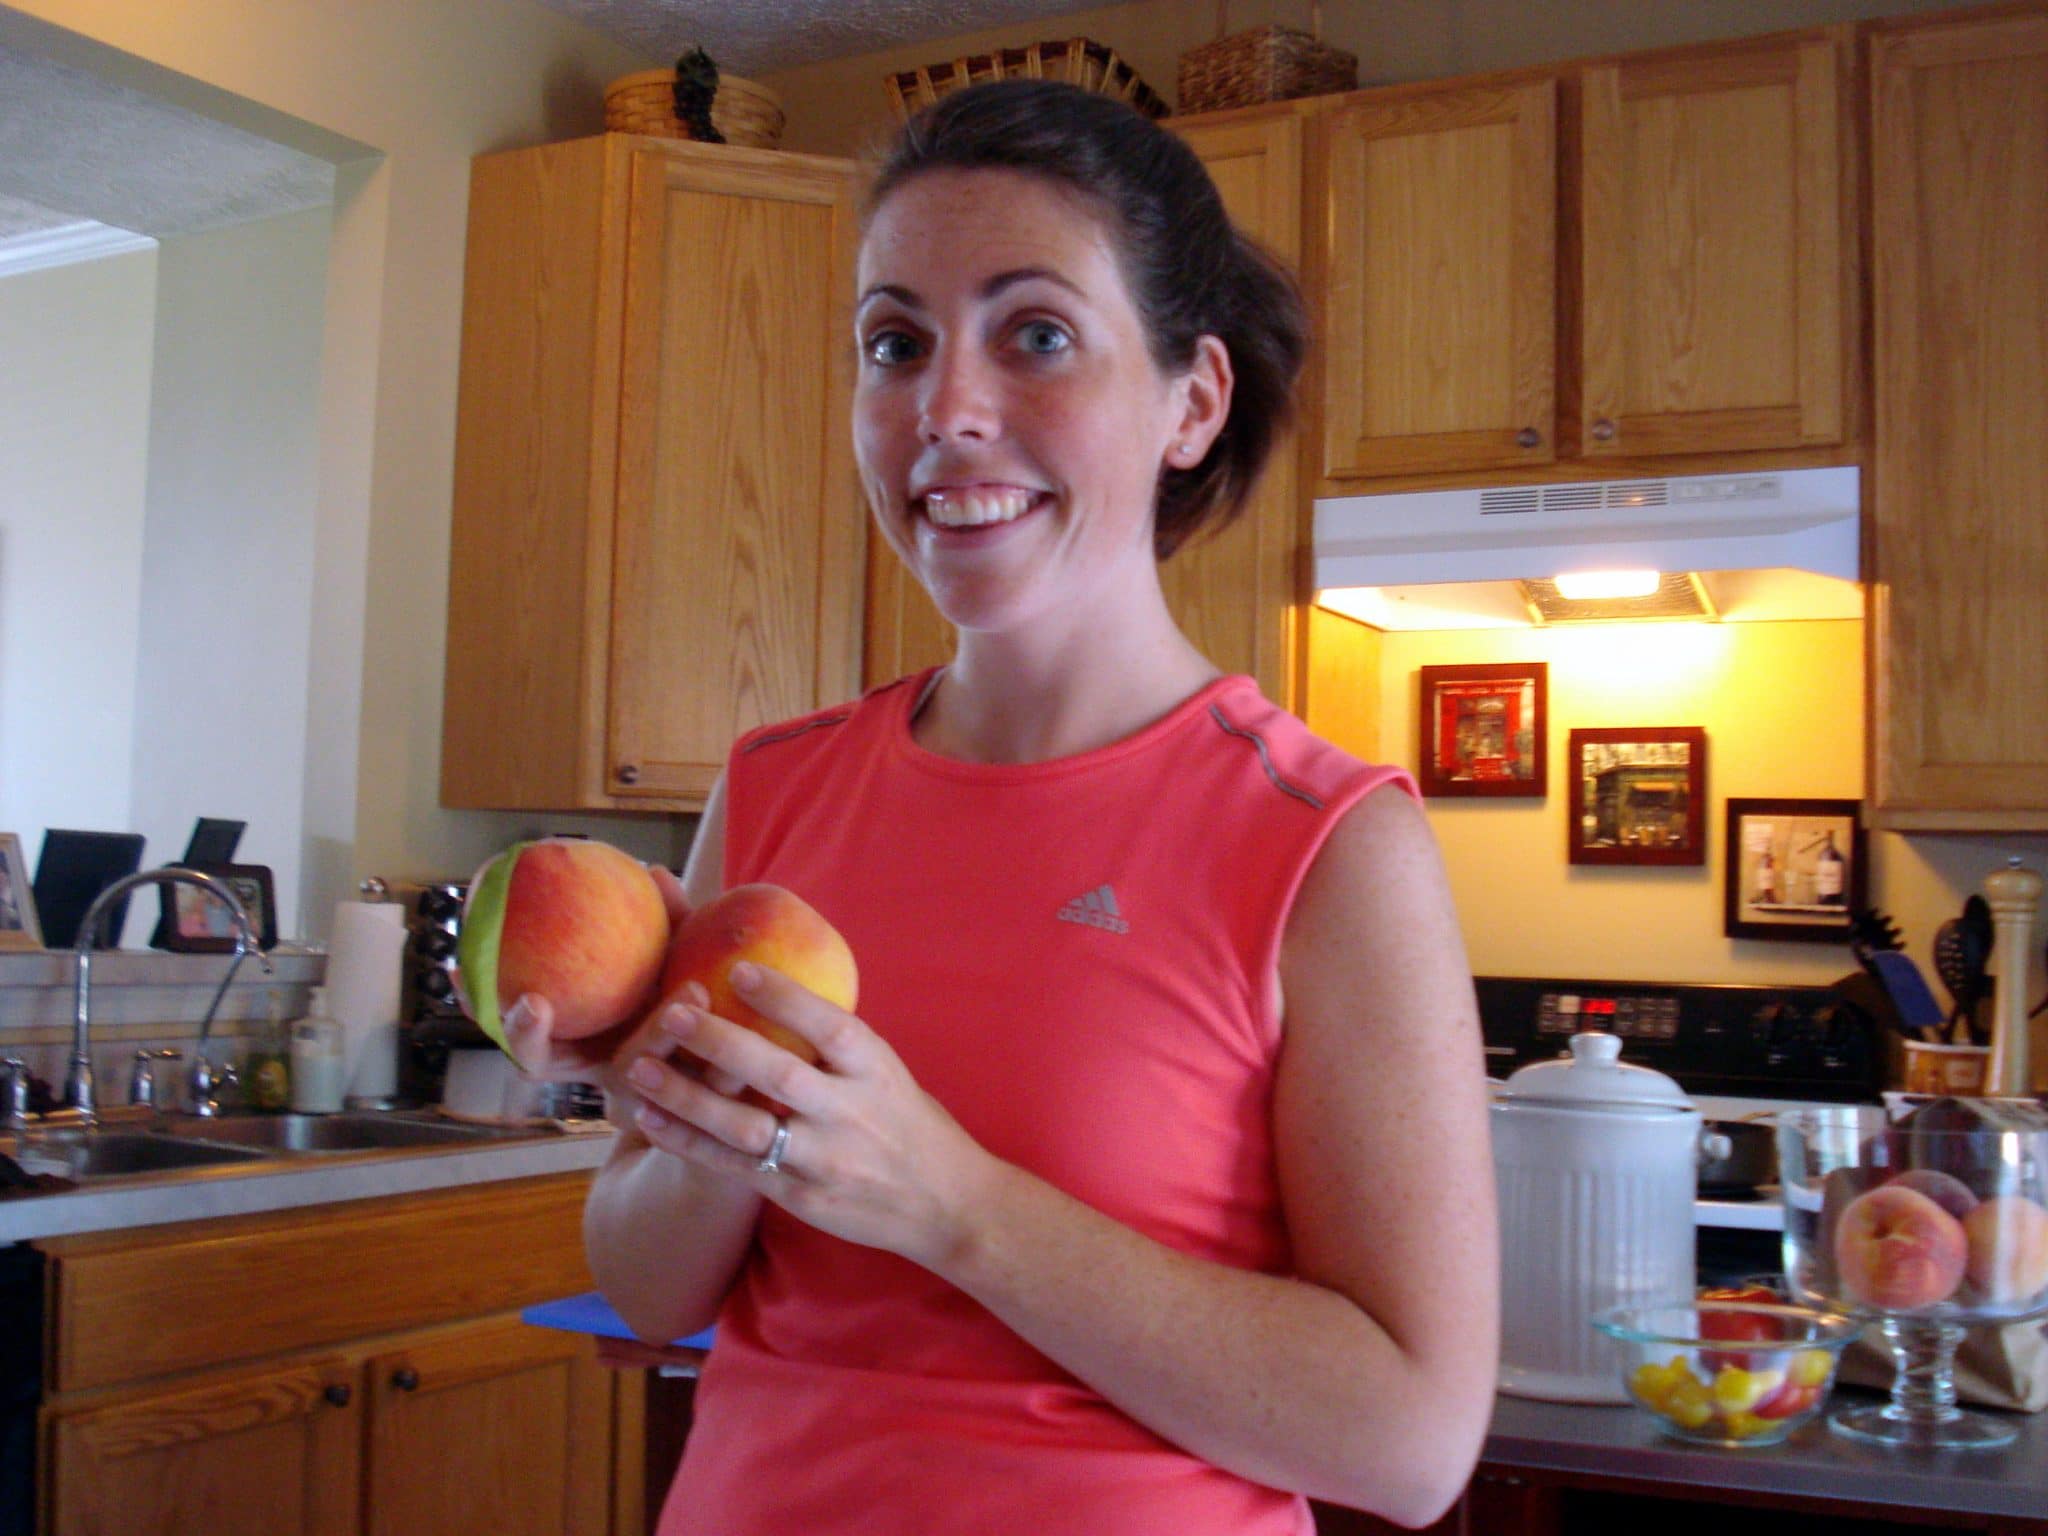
(1896, 1248)
(573, 920)
(774, 928)
(2007, 1237)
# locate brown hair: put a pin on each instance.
(1191, 272)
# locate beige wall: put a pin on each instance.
(840, 107)
(422, 86)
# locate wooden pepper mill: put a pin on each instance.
(2014, 893)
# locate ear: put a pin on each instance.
(1205, 404)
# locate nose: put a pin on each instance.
(958, 398)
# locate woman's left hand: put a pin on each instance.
(871, 1157)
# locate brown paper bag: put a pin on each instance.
(1995, 1367)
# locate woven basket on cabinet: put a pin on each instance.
(746, 113)
(1264, 64)
(1076, 60)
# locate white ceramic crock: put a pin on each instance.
(1595, 1161)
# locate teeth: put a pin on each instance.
(971, 509)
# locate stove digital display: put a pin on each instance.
(1653, 1017)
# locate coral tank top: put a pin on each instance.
(1075, 957)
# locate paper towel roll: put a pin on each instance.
(365, 966)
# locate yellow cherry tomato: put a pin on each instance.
(1688, 1404)
(1742, 1426)
(1811, 1367)
(1737, 1390)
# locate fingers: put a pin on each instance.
(843, 1042)
(529, 1027)
(672, 895)
(683, 1115)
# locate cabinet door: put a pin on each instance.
(1233, 592)
(270, 1453)
(1440, 266)
(737, 538)
(1711, 248)
(1959, 173)
(500, 1427)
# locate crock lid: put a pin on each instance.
(1594, 1074)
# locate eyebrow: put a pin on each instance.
(989, 290)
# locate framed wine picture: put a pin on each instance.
(1796, 869)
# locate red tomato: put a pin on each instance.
(1789, 1399)
(1737, 1327)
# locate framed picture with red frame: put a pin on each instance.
(1638, 794)
(1483, 729)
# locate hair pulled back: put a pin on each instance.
(1189, 270)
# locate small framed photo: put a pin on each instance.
(1639, 795)
(18, 927)
(196, 924)
(1796, 869)
(1483, 729)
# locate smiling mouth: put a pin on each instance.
(977, 506)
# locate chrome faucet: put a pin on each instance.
(80, 1096)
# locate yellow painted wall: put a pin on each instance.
(1782, 705)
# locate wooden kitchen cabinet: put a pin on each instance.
(657, 540)
(1236, 593)
(355, 1370)
(1639, 263)
(1439, 280)
(1959, 514)
(1712, 233)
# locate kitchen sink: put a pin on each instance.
(113, 1154)
(300, 1134)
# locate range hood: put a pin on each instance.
(1780, 544)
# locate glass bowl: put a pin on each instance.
(1731, 1373)
(1924, 1221)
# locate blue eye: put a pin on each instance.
(888, 349)
(1042, 337)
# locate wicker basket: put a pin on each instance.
(1264, 64)
(1076, 60)
(744, 112)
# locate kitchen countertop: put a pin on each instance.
(1621, 1443)
(280, 1184)
(1814, 1463)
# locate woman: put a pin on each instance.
(1149, 1191)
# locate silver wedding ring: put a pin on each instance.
(772, 1163)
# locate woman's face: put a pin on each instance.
(1009, 422)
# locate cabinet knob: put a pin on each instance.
(629, 773)
(1603, 431)
(337, 1393)
(406, 1379)
(1528, 437)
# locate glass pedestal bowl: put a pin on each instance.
(1926, 1224)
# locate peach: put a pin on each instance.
(772, 927)
(1944, 1189)
(2007, 1237)
(1897, 1249)
(576, 921)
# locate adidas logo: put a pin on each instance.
(1097, 909)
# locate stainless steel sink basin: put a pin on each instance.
(299, 1134)
(112, 1154)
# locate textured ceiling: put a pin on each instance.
(75, 146)
(754, 37)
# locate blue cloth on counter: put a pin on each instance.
(591, 1313)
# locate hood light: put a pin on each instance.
(1581, 586)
